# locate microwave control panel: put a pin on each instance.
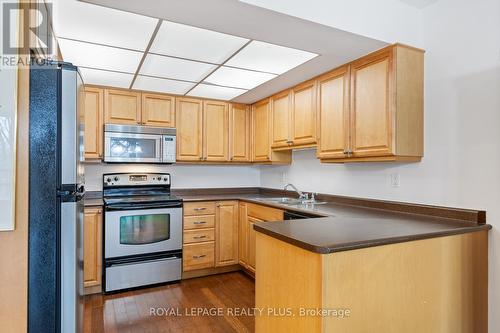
(169, 148)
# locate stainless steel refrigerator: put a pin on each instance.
(56, 191)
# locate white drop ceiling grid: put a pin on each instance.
(126, 50)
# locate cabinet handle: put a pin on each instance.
(201, 158)
(289, 141)
(199, 237)
(199, 222)
(200, 208)
(200, 256)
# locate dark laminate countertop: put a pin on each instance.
(339, 226)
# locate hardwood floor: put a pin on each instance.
(152, 309)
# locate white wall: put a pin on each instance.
(386, 20)
(183, 176)
(462, 130)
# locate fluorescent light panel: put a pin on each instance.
(188, 42)
(97, 24)
(215, 92)
(173, 68)
(99, 57)
(238, 78)
(270, 58)
(162, 85)
(106, 78)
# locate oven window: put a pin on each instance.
(133, 148)
(144, 229)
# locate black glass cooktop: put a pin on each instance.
(141, 199)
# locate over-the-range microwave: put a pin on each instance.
(139, 144)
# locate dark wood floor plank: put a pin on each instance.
(131, 311)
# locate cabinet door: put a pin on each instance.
(243, 232)
(251, 243)
(260, 132)
(333, 114)
(93, 114)
(226, 229)
(92, 250)
(215, 131)
(371, 105)
(280, 115)
(158, 110)
(303, 116)
(122, 107)
(239, 133)
(189, 117)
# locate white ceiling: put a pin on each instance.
(202, 48)
(122, 49)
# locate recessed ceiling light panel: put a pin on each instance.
(106, 78)
(188, 42)
(97, 24)
(99, 57)
(162, 85)
(270, 58)
(215, 92)
(238, 78)
(173, 68)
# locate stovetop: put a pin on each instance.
(141, 199)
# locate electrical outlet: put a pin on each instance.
(395, 180)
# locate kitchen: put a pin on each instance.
(236, 177)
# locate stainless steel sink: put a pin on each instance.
(293, 201)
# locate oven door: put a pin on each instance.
(141, 230)
(132, 147)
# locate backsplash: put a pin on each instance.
(183, 176)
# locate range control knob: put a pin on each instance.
(165, 179)
(116, 178)
(108, 180)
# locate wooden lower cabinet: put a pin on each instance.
(226, 228)
(249, 215)
(92, 250)
(198, 256)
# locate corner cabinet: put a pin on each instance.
(92, 250)
(261, 136)
(93, 119)
(384, 121)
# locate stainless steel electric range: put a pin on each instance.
(142, 231)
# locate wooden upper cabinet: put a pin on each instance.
(226, 229)
(92, 250)
(215, 131)
(93, 118)
(385, 117)
(189, 123)
(372, 106)
(303, 115)
(239, 133)
(280, 116)
(260, 135)
(122, 107)
(158, 110)
(333, 114)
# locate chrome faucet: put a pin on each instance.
(302, 195)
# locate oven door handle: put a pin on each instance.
(137, 206)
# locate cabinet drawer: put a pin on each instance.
(199, 208)
(197, 256)
(198, 222)
(199, 235)
(265, 213)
